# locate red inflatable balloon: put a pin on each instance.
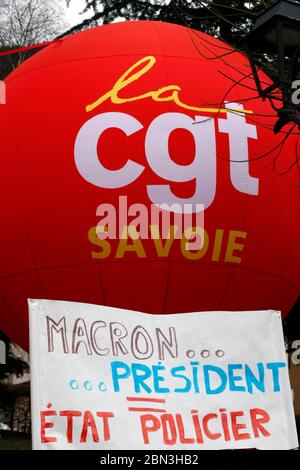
(107, 125)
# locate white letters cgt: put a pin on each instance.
(203, 169)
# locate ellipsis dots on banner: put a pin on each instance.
(205, 353)
(87, 386)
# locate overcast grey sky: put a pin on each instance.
(73, 16)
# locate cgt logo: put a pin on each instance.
(203, 169)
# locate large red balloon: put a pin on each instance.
(182, 144)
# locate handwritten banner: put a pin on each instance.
(106, 378)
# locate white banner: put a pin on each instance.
(106, 378)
